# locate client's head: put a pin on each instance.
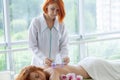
(32, 73)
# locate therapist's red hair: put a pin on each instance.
(60, 3)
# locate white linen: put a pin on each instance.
(45, 42)
(100, 69)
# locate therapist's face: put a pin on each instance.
(53, 10)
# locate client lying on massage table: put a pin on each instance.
(97, 69)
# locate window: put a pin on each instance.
(1, 22)
(108, 14)
(105, 49)
(2, 62)
(71, 19)
(101, 28)
(89, 13)
(2, 47)
(21, 13)
(72, 25)
(21, 59)
(101, 16)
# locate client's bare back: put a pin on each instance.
(55, 73)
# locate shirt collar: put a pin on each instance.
(56, 24)
(44, 24)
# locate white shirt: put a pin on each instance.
(45, 42)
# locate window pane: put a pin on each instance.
(2, 55)
(108, 14)
(89, 16)
(71, 19)
(115, 15)
(74, 54)
(104, 49)
(21, 13)
(21, 59)
(2, 62)
(1, 22)
(101, 16)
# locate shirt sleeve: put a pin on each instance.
(33, 40)
(64, 42)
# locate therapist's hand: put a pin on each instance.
(48, 61)
(66, 60)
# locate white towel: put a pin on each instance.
(100, 69)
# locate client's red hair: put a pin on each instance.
(60, 3)
(25, 73)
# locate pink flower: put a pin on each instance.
(79, 77)
(63, 77)
(70, 76)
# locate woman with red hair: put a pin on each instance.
(48, 35)
(32, 73)
(90, 67)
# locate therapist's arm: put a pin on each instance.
(33, 40)
(64, 44)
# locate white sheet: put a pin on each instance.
(100, 69)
